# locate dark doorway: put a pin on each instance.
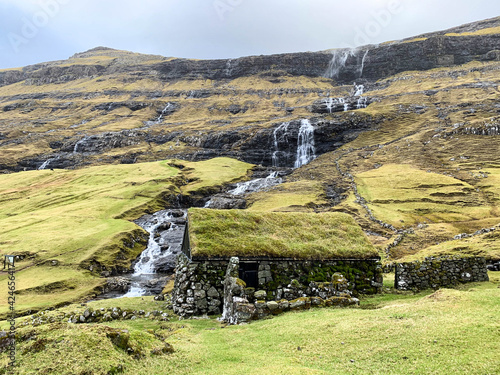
(249, 273)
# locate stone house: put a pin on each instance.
(279, 256)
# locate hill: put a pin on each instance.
(406, 140)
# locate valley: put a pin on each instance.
(403, 137)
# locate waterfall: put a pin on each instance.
(45, 164)
(359, 89)
(75, 148)
(338, 61)
(165, 110)
(361, 103)
(305, 144)
(257, 184)
(145, 266)
(283, 128)
(363, 63)
(329, 104)
(229, 69)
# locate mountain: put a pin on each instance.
(403, 136)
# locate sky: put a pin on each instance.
(33, 31)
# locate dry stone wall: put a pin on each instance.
(243, 304)
(439, 272)
(199, 284)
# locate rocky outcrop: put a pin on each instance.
(331, 105)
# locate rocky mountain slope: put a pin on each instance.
(406, 133)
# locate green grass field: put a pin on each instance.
(433, 332)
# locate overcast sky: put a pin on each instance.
(33, 31)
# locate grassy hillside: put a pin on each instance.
(70, 225)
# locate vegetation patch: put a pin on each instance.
(76, 223)
(402, 195)
(276, 234)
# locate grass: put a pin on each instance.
(486, 245)
(214, 172)
(486, 31)
(276, 234)
(289, 196)
(80, 219)
(432, 332)
(401, 194)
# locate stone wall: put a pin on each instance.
(199, 284)
(243, 304)
(439, 272)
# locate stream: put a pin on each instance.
(157, 261)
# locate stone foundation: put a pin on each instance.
(199, 284)
(243, 304)
(439, 272)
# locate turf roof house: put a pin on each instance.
(275, 250)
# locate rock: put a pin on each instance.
(300, 303)
(118, 284)
(165, 349)
(260, 295)
(119, 338)
(212, 292)
(274, 307)
(226, 202)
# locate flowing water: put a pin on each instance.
(145, 269)
(279, 135)
(165, 110)
(45, 164)
(305, 145)
(257, 184)
(75, 148)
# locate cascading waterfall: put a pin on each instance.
(144, 267)
(257, 184)
(75, 148)
(165, 110)
(330, 102)
(45, 164)
(361, 103)
(363, 63)
(305, 144)
(359, 89)
(338, 61)
(252, 186)
(279, 135)
(229, 69)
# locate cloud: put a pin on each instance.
(220, 28)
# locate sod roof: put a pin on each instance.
(225, 233)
